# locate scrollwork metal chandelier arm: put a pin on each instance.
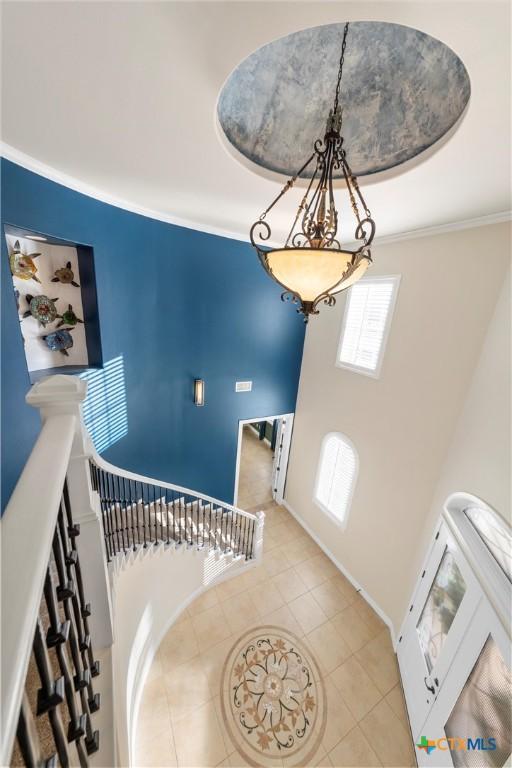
(312, 266)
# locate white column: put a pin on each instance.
(258, 542)
(54, 396)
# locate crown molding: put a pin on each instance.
(48, 172)
(52, 174)
(440, 229)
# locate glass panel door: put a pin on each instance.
(483, 710)
(443, 601)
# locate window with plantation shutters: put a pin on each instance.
(366, 323)
(336, 476)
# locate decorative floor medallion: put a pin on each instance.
(273, 699)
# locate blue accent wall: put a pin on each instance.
(175, 304)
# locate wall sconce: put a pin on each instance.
(198, 391)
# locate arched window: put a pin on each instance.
(336, 476)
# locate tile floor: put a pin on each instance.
(298, 588)
(255, 479)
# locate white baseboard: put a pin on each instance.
(371, 602)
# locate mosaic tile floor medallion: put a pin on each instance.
(273, 699)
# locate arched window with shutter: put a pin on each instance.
(336, 476)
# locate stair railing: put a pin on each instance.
(138, 512)
(68, 509)
(48, 699)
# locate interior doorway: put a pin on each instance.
(262, 459)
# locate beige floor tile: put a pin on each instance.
(207, 600)
(266, 597)
(290, 584)
(368, 615)
(228, 744)
(329, 648)
(359, 693)
(156, 669)
(339, 720)
(187, 687)
(213, 660)
(329, 598)
(159, 751)
(352, 628)
(236, 760)
(389, 738)
(283, 617)
(275, 561)
(307, 612)
(325, 565)
(311, 572)
(321, 759)
(211, 627)
(230, 587)
(198, 738)
(347, 589)
(297, 552)
(395, 699)
(178, 645)
(379, 661)
(254, 576)
(241, 612)
(354, 751)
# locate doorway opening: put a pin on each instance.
(262, 459)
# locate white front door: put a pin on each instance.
(471, 722)
(442, 609)
(281, 453)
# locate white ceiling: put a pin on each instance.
(121, 96)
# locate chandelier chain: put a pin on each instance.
(340, 69)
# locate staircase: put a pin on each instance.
(96, 557)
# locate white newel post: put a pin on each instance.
(54, 396)
(258, 546)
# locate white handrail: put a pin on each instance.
(105, 465)
(28, 527)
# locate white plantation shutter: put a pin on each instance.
(336, 475)
(366, 322)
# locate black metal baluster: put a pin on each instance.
(50, 695)
(244, 528)
(73, 561)
(78, 642)
(252, 538)
(112, 510)
(28, 737)
(167, 518)
(145, 511)
(117, 490)
(107, 512)
(57, 637)
(175, 497)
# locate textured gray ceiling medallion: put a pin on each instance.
(402, 90)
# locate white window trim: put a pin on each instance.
(357, 368)
(341, 523)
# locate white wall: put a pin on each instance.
(148, 596)
(479, 457)
(401, 424)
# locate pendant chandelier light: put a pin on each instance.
(312, 266)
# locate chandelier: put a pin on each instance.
(312, 266)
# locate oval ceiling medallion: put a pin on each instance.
(402, 90)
